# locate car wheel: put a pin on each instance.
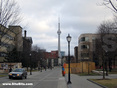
(25, 77)
(9, 77)
(21, 77)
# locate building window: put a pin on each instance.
(93, 38)
(9, 37)
(84, 46)
(2, 54)
(0, 33)
(84, 39)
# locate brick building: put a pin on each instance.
(52, 58)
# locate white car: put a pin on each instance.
(18, 73)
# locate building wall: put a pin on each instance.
(88, 50)
(18, 37)
(27, 45)
(9, 38)
(86, 46)
(51, 55)
(6, 39)
(76, 54)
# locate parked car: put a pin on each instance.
(18, 73)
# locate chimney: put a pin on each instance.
(25, 33)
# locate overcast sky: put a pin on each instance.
(76, 17)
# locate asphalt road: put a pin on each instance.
(44, 79)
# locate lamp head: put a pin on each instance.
(30, 54)
(68, 38)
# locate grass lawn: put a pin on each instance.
(110, 83)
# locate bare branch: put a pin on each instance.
(9, 12)
(113, 5)
(109, 2)
(9, 15)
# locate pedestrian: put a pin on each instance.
(63, 71)
(45, 68)
(51, 67)
(10, 69)
(38, 68)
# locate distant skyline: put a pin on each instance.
(76, 17)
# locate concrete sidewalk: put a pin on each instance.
(62, 82)
(82, 82)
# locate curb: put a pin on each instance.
(97, 83)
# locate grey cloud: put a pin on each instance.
(76, 16)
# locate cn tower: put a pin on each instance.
(59, 32)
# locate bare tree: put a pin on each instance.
(9, 12)
(35, 48)
(9, 15)
(40, 58)
(106, 44)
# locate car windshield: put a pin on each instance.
(18, 70)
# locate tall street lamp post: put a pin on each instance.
(30, 65)
(41, 64)
(68, 39)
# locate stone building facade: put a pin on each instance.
(89, 50)
(9, 38)
(86, 47)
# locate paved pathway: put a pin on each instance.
(82, 82)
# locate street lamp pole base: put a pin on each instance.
(69, 82)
